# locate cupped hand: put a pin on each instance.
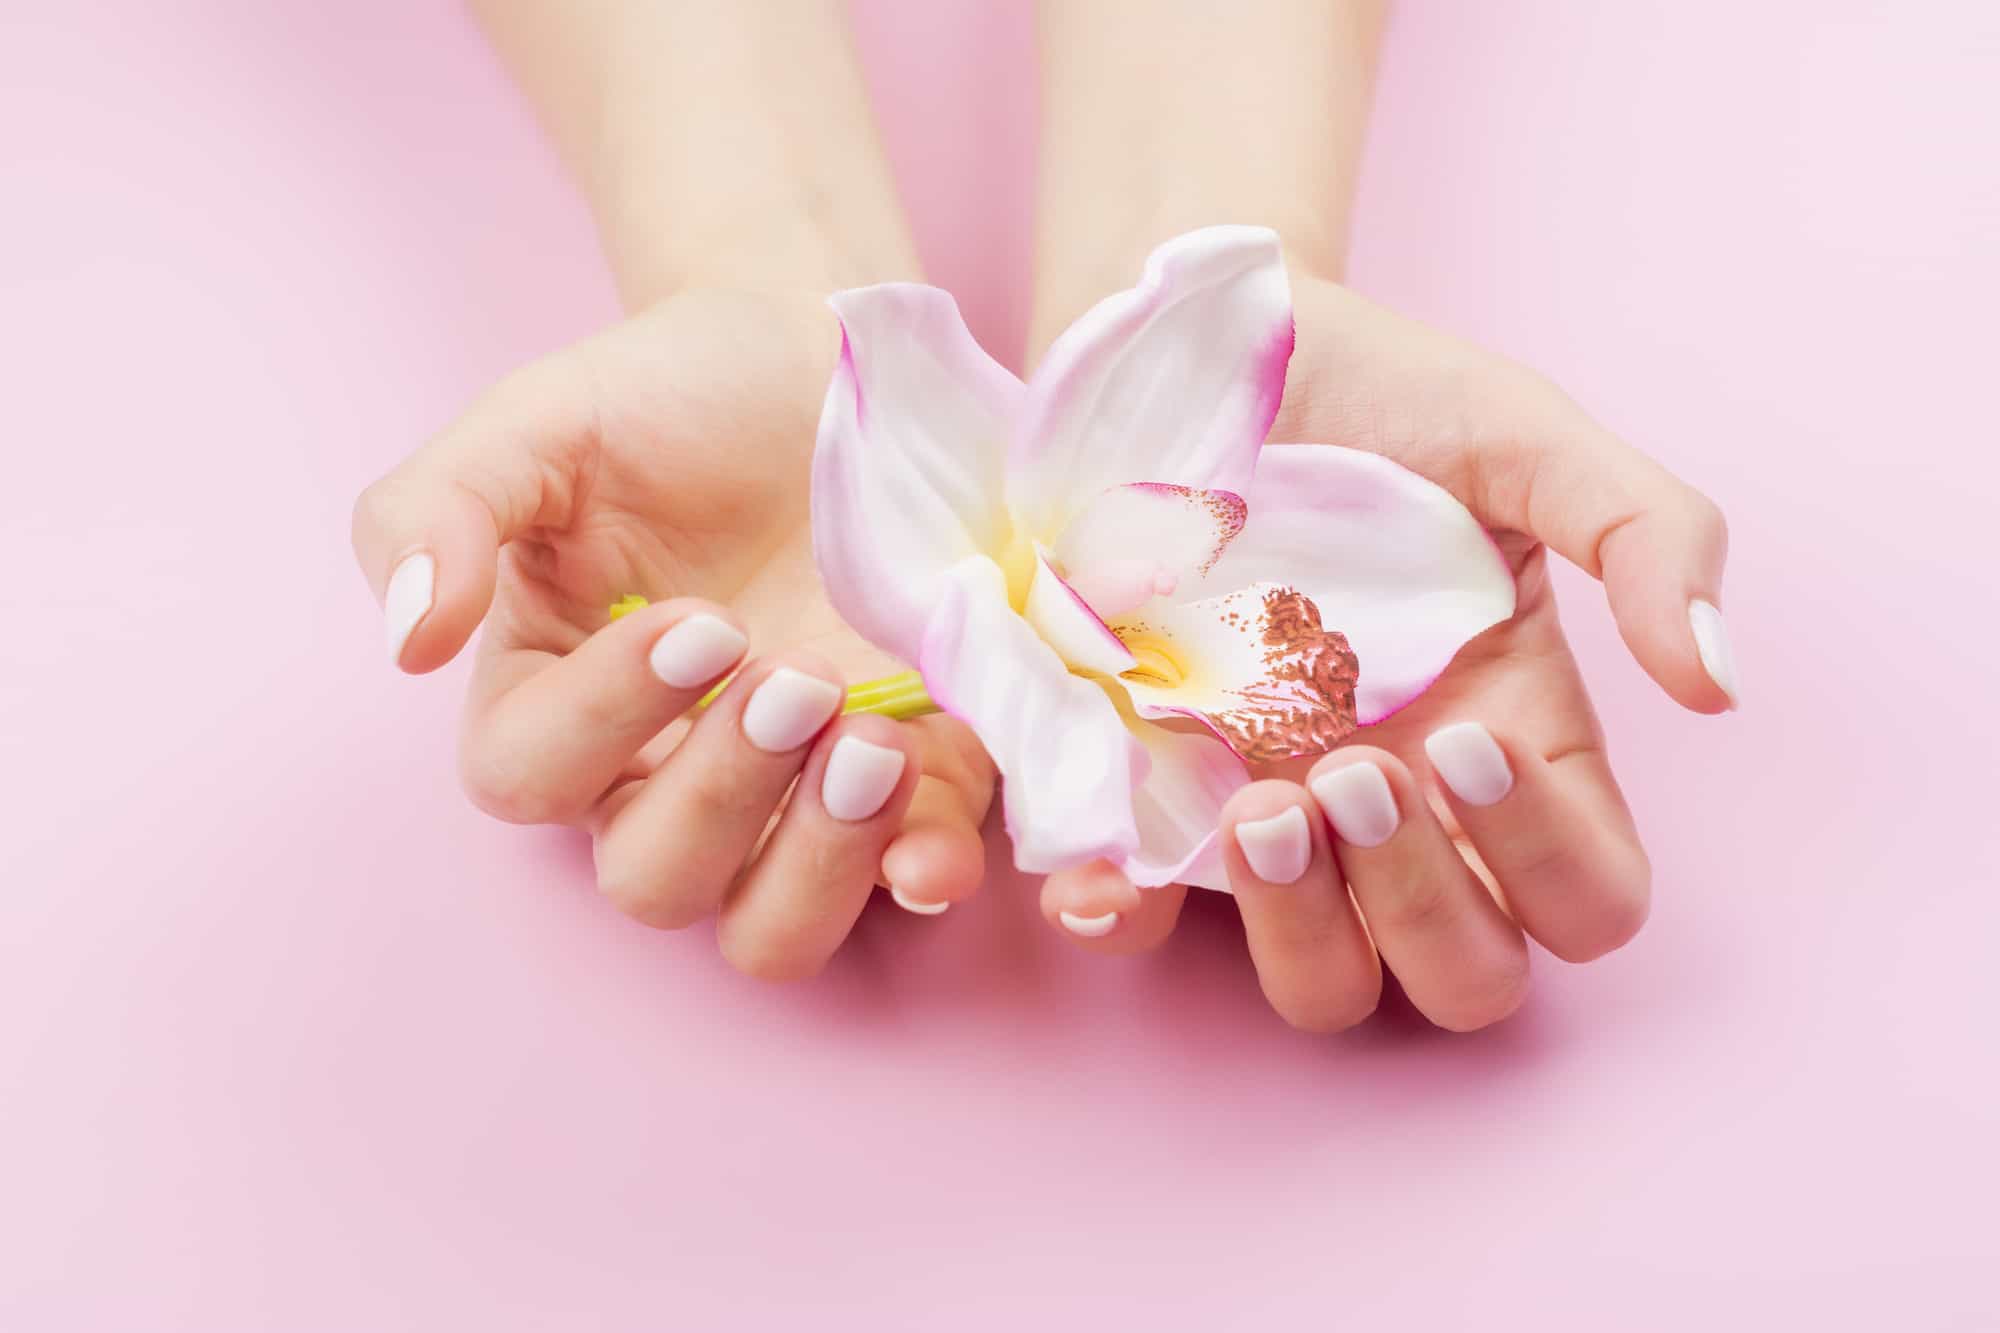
(669, 457)
(1486, 813)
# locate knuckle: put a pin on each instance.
(632, 886)
(1324, 1015)
(508, 788)
(1709, 520)
(1423, 903)
(1493, 996)
(370, 512)
(761, 956)
(1622, 907)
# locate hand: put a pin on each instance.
(1530, 836)
(669, 457)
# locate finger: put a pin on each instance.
(669, 854)
(1100, 909)
(1313, 957)
(802, 895)
(543, 747)
(1556, 837)
(1656, 542)
(938, 857)
(1461, 960)
(428, 535)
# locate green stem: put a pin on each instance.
(899, 696)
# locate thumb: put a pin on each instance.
(1657, 544)
(428, 535)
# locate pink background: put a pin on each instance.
(291, 1039)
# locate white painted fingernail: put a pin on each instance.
(788, 710)
(1090, 927)
(1711, 640)
(1358, 801)
(1471, 763)
(696, 651)
(411, 588)
(858, 778)
(912, 905)
(1279, 848)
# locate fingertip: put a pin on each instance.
(690, 642)
(1267, 829)
(435, 587)
(1661, 575)
(1098, 908)
(929, 867)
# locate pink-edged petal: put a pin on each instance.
(1391, 560)
(1176, 380)
(907, 472)
(1136, 542)
(1255, 666)
(1178, 809)
(1066, 758)
(1068, 625)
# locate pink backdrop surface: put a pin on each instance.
(292, 1039)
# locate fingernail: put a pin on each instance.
(1711, 640)
(696, 651)
(1090, 927)
(1358, 801)
(1471, 763)
(408, 600)
(788, 709)
(858, 779)
(1279, 848)
(912, 905)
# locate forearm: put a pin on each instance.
(1160, 116)
(718, 144)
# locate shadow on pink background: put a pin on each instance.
(291, 1039)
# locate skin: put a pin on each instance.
(668, 456)
(1268, 133)
(736, 177)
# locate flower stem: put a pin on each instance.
(899, 696)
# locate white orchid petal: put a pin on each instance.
(907, 472)
(1065, 756)
(1136, 542)
(1067, 624)
(1255, 665)
(1392, 561)
(1176, 380)
(1178, 809)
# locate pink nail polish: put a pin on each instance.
(1277, 849)
(1360, 805)
(859, 778)
(1090, 927)
(696, 651)
(788, 710)
(1470, 762)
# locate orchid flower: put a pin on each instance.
(1108, 575)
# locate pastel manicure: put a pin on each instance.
(1358, 801)
(859, 778)
(696, 651)
(912, 905)
(788, 710)
(1090, 927)
(1279, 848)
(1471, 763)
(1711, 640)
(408, 599)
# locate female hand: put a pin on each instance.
(669, 457)
(1486, 813)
